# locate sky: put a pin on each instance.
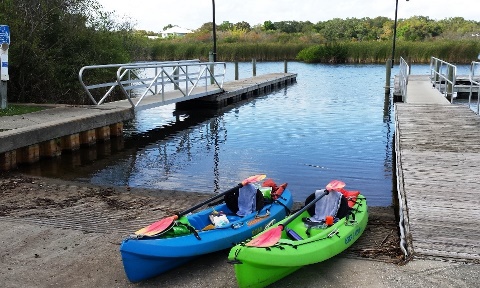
(153, 15)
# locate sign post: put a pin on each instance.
(5, 44)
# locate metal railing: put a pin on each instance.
(474, 82)
(403, 78)
(138, 80)
(443, 76)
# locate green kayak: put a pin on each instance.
(300, 244)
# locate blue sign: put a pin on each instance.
(4, 34)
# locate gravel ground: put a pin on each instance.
(67, 234)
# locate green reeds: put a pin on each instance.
(459, 51)
(165, 50)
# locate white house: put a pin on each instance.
(175, 31)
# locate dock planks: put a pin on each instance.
(438, 171)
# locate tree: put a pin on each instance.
(268, 25)
(242, 26)
(53, 40)
(168, 27)
(418, 28)
(225, 26)
(206, 27)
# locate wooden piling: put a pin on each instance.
(70, 142)
(116, 129)
(29, 154)
(103, 133)
(88, 138)
(8, 160)
(51, 148)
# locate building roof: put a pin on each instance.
(176, 30)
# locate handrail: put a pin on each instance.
(112, 85)
(441, 71)
(474, 65)
(404, 73)
(193, 75)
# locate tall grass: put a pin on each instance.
(165, 50)
(459, 51)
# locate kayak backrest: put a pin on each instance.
(231, 200)
(342, 211)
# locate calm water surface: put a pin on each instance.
(334, 123)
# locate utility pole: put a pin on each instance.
(214, 34)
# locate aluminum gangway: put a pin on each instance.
(147, 85)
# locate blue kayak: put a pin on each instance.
(196, 234)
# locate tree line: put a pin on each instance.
(52, 39)
(416, 28)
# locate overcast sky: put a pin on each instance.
(153, 15)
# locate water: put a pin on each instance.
(334, 123)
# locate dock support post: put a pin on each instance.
(116, 129)
(70, 142)
(8, 160)
(388, 74)
(102, 133)
(437, 70)
(29, 154)
(211, 59)
(50, 148)
(450, 83)
(254, 64)
(88, 138)
(285, 70)
(176, 74)
(236, 70)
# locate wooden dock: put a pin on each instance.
(437, 146)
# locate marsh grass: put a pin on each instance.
(459, 51)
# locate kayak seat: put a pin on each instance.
(335, 205)
(245, 200)
(233, 218)
(198, 222)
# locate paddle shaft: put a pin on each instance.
(291, 218)
(240, 185)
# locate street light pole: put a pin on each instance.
(215, 34)
(394, 32)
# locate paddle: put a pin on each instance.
(165, 223)
(272, 236)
